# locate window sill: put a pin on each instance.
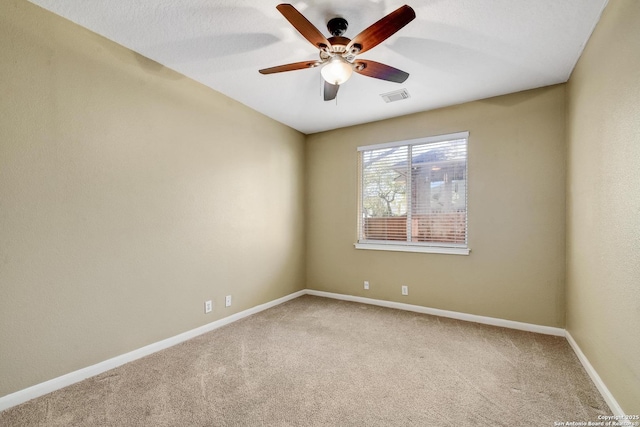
(412, 248)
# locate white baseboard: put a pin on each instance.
(529, 327)
(602, 388)
(54, 384)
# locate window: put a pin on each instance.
(413, 195)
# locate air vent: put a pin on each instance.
(396, 95)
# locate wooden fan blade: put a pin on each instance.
(330, 91)
(290, 67)
(383, 29)
(379, 71)
(304, 27)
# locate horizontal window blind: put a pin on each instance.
(415, 192)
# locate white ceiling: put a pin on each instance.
(455, 50)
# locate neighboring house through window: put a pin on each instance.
(413, 195)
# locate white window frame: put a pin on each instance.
(401, 246)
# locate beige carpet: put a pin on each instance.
(315, 361)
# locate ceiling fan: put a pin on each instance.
(338, 55)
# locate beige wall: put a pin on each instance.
(129, 195)
(603, 202)
(516, 212)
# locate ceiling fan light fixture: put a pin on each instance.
(337, 70)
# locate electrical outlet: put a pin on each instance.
(208, 306)
(227, 301)
(366, 284)
(405, 290)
